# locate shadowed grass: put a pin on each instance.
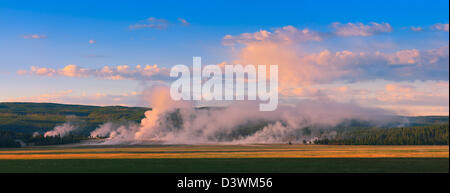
(226, 165)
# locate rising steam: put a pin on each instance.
(60, 130)
(171, 122)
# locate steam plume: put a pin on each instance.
(173, 122)
(60, 130)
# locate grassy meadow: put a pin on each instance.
(226, 158)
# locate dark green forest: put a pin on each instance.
(14, 139)
(436, 134)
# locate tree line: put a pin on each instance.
(422, 135)
(17, 139)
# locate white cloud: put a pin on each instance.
(151, 22)
(360, 29)
(284, 34)
(291, 34)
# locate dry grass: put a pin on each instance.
(227, 151)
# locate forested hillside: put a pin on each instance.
(41, 117)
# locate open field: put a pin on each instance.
(226, 151)
(227, 158)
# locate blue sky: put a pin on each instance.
(67, 27)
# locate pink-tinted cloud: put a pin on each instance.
(429, 99)
(299, 68)
(49, 97)
(184, 22)
(440, 27)
(403, 57)
(71, 97)
(34, 36)
(303, 74)
(406, 98)
(417, 29)
(147, 72)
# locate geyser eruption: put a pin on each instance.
(147, 131)
(72, 124)
(161, 104)
(174, 122)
